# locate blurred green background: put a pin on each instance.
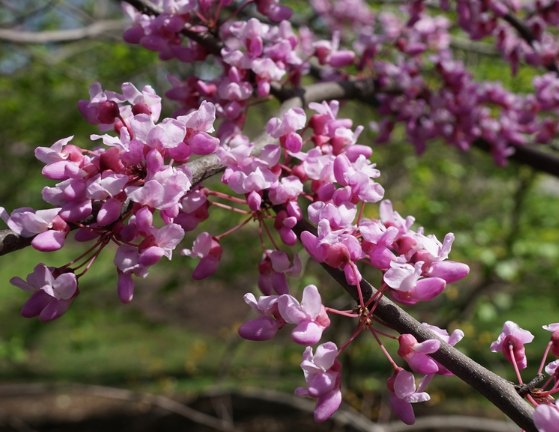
(179, 336)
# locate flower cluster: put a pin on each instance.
(111, 193)
(312, 167)
(511, 342)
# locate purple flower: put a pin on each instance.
(322, 374)
(293, 120)
(274, 268)
(102, 108)
(513, 337)
(415, 353)
(49, 229)
(554, 329)
(267, 324)
(51, 295)
(546, 417)
(453, 339)
(403, 393)
(162, 191)
(406, 285)
(310, 316)
(209, 250)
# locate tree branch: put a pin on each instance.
(96, 30)
(526, 33)
(123, 395)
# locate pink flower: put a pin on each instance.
(406, 285)
(267, 324)
(49, 229)
(273, 270)
(453, 339)
(403, 393)
(322, 374)
(328, 53)
(310, 316)
(162, 191)
(415, 353)
(209, 250)
(554, 329)
(51, 296)
(293, 120)
(102, 108)
(513, 338)
(546, 418)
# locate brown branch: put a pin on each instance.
(526, 33)
(453, 423)
(123, 395)
(493, 387)
(96, 30)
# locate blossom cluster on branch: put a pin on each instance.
(312, 166)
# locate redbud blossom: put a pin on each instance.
(513, 337)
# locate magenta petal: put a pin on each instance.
(402, 409)
(279, 13)
(428, 288)
(56, 170)
(35, 304)
(205, 268)
(353, 152)
(450, 271)
(327, 405)
(75, 211)
(279, 283)
(341, 58)
(125, 287)
(49, 241)
(151, 256)
(265, 284)
(55, 309)
(132, 36)
(381, 256)
(546, 418)
(203, 144)
(318, 253)
(259, 329)
(422, 364)
(84, 235)
(109, 212)
(307, 333)
(288, 236)
(322, 383)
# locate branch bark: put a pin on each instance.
(100, 29)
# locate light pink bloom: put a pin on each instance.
(209, 250)
(164, 190)
(322, 374)
(456, 336)
(403, 393)
(513, 337)
(51, 296)
(293, 120)
(267, 324)
(554, 329)
(273, 271)
(546, 418)
(310, 316)
(415, 353)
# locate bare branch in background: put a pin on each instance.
(99, 29)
